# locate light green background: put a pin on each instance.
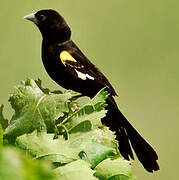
(136, 45)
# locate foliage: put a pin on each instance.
(61, 135)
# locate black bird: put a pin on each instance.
(71, 69)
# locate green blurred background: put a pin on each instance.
(136, 45)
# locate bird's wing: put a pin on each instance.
(76, 68)
(80, 67)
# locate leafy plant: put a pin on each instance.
(61, 129)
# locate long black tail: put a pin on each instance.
(126, 135)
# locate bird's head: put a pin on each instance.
(51, 24)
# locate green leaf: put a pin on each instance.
(43, 146)
(118, 169)
(97, 145)
(100, 99)
(3, 125)
(3, 121)
(88, 144)
(1, 136)
(14, 165)
(77, 170)
(94, 146)
(81, 101)
(35, 110)
(44, 90)
(88, 116)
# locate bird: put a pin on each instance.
(66, 64)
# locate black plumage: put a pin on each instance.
(71, 69)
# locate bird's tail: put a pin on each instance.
(128, 136)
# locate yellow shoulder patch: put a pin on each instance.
(66, 56)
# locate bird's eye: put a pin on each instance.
(42, 17)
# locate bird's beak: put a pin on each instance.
(31, 17)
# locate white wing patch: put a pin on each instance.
(90, 77)
(84, 76)
(66, 58)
